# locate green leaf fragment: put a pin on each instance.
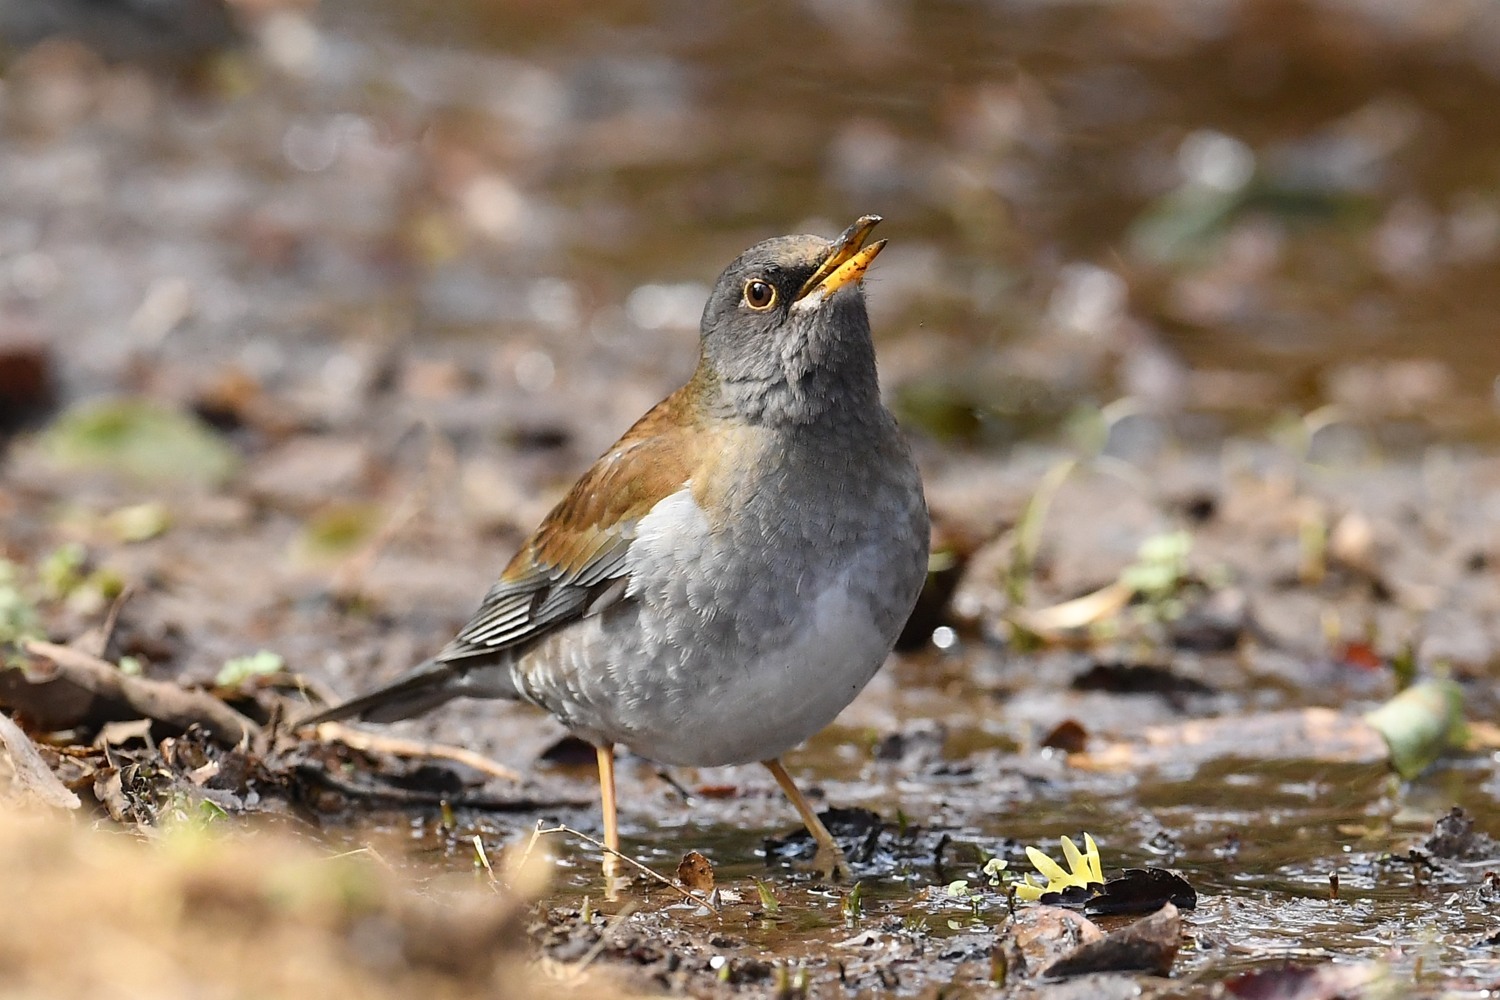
(1419, 724)
(61, 571)
(18, 616)
(768, 901)
(139, 522)
(242, 668)
(338, 531)
(139, 439)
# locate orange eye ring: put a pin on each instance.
(760, 295)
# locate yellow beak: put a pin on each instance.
(846, 263)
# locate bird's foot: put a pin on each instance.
(829, 863)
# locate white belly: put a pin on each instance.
(763, 707)
(713, 662)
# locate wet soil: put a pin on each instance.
(1216, 281)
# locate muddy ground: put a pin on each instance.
(309, 312)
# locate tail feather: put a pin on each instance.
(422, 689)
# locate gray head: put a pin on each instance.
(785, 335)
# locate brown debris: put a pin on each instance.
(1042, 935)
(33, 775)
(1454, 838)
(1140, 890)
(1068, 736)
(696, 872)
(1148, 945)
(28, 381)
(160, 700)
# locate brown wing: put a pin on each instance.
(574, 564)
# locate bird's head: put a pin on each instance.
(785, 334)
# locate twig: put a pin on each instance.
(359, 740)
(95, 641)
(701, 901)
(350, 575)
(368, 852)
(160, 700)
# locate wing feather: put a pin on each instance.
(576, 562)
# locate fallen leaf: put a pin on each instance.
(1053, 623)
(1068, 736)
(1045, 934)
(114, 734)
(1361, 654)
(1139, 890)
(138, 522)
(1148, 945)
(1419, 724)
(140, 439)
(717, 791)
(337, 531)
(696, 872)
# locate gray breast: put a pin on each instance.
(715, 657)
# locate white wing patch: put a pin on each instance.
(673, 532)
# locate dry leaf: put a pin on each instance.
(696, 872)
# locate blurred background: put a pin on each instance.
(309, 311)
(1226, 211)
(345, 292)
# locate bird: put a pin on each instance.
(729, 575)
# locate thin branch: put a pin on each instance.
(160, 700)
(701, 901)
(359, 740)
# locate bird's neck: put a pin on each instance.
(839, 390)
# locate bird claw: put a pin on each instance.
(829, 863)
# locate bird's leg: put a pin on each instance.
(606, 756)
(829, 860)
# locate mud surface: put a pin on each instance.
(309, 312)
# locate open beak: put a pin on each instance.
(845, 263)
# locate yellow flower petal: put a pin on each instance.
(1027, 891)
(1078, 868)
(1091, 851)
(1046, 866)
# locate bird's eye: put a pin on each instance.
(759, 295)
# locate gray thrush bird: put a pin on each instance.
(733, 571)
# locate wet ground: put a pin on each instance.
(1199, 299)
